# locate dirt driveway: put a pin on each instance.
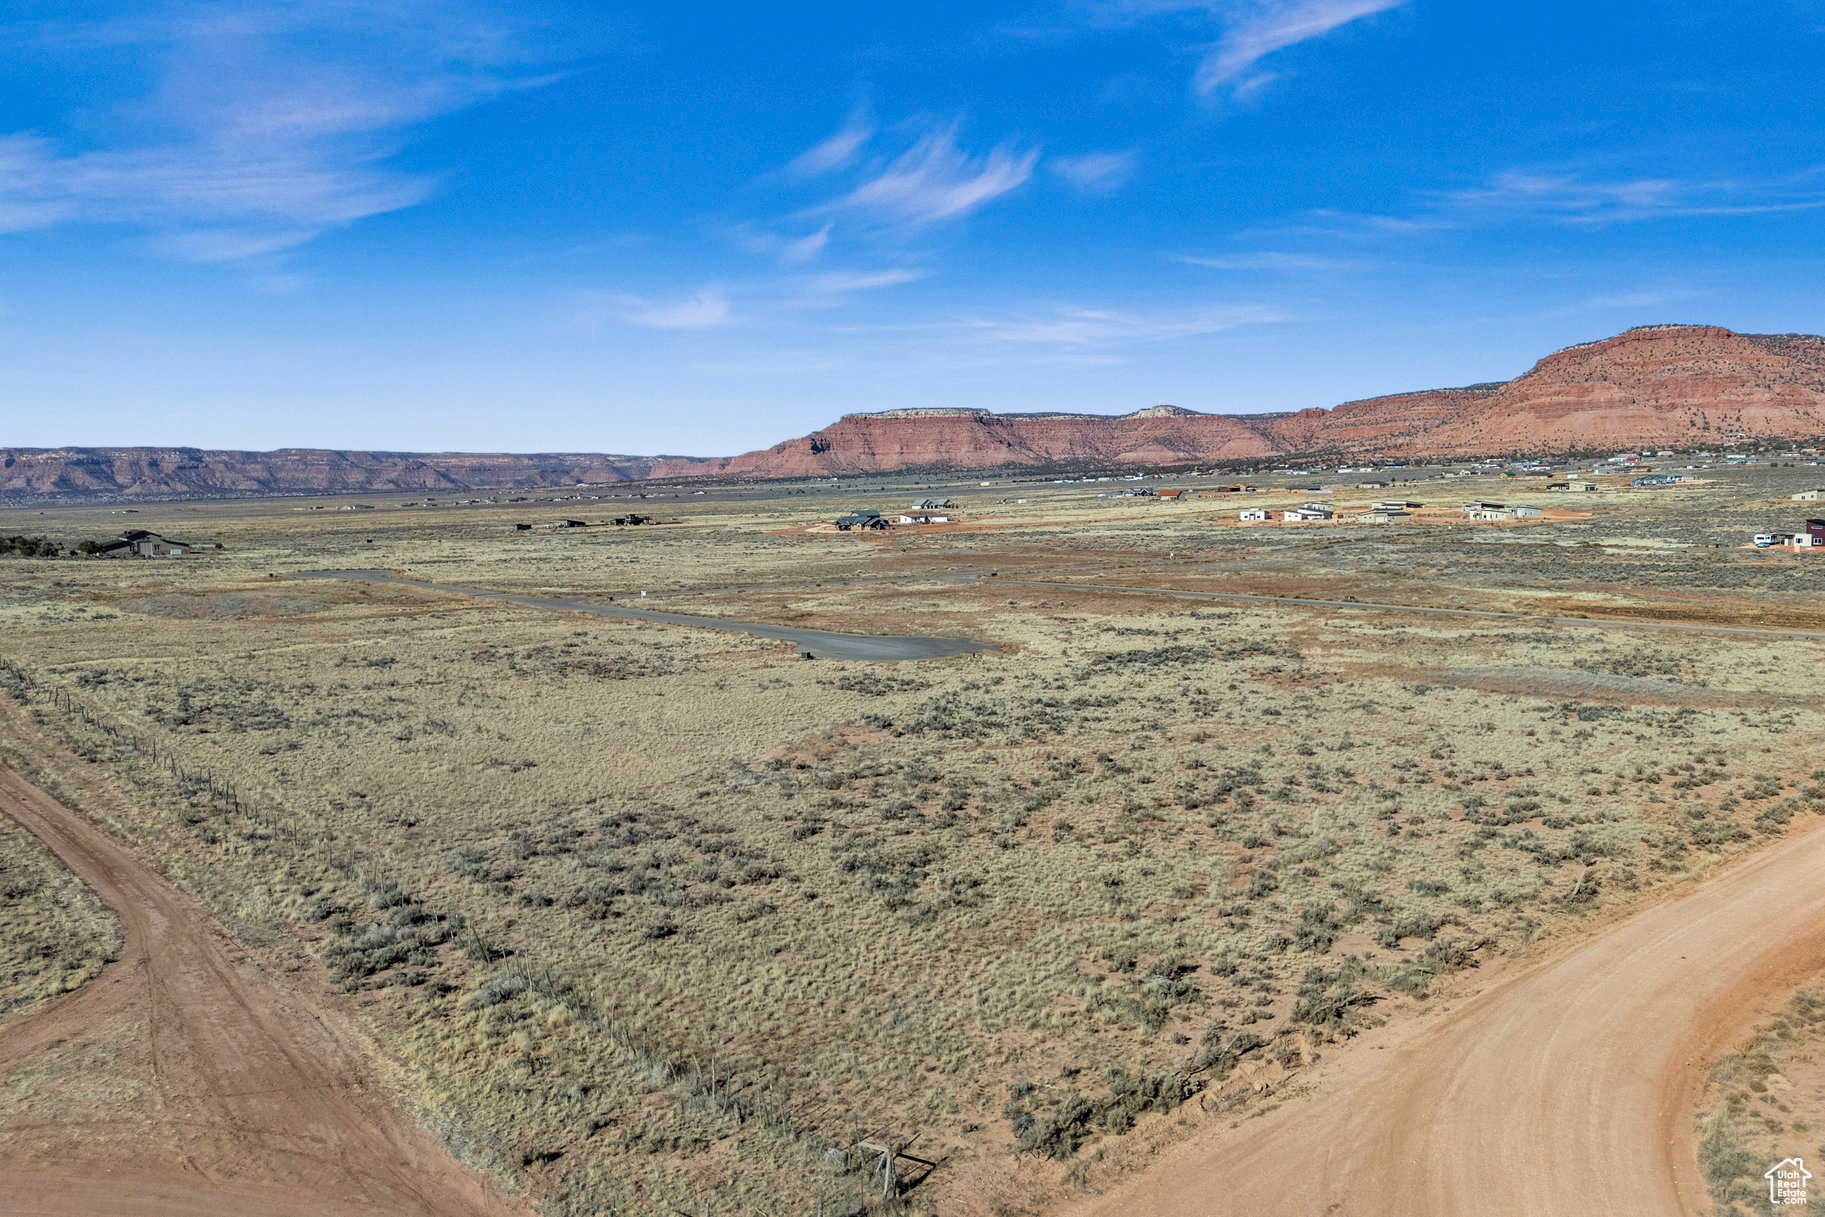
(1565, 1090)
(212, 1092)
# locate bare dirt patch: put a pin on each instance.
(241, 1098)
(1465, 1111)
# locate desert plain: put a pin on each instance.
(1192, 828)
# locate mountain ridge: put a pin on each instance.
(178, 471)
(1662, 385)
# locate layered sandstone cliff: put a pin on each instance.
(153, 472)
(1657, 385)
(977, 439)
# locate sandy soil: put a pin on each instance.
(250, 1102)
(1566, 1088)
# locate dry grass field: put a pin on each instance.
(1764, 1103)
(649, 918)
(56, 932)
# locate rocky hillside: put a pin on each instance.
(158, 472)
(977, 439)
(1679, 385)
(1667, 384)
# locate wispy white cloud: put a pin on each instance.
(707, 309)
(806, 249)
(1258, 30)
(1569, 195)
(936, 180)
(1267, 260)
(1096, 172)
(1330, 223)
(1573, 197)
(1077, 327)
(767, 241)
(843, 282)
(209, 203)
(835, 151)
(265, 125)
(1642, 305)
(1628, 301)
(775, 297)
(1247, 31)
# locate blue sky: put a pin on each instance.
(702, 229)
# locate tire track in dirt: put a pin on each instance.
(1564, 1090)
(252, 1104)
(1426, 610)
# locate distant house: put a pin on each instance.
(926, 517)
(1523, 512)
(1494, 515)
(1656, 479)
(933, 505)
(1816, 528)
(1476, 507)
(1379, 516)
(1311, 511)
(1809, 496)
(861, 519)
(138, 543)
(1235, 488)
(522, 528)
(1397, 505)
(1174, 496)
(1252, 513)
(1371, 485)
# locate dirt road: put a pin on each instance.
(1565, 1090)
(824, 644)
(1425, 610)
(181, 1081)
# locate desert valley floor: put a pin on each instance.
(1189, 845)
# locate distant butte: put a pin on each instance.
(1665, 386)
